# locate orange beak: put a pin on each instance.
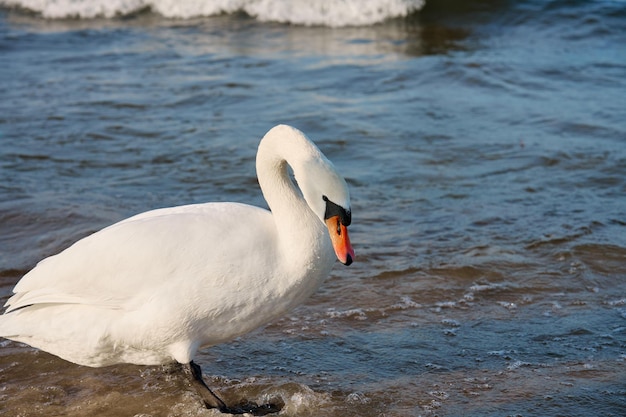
(340, 240)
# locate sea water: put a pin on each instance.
(484, 143)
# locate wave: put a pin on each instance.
(333, 13)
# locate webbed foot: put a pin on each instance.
(194, 373)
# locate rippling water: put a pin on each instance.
(485, 146)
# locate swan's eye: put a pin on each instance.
(333, 210)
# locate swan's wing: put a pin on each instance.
(124, 264)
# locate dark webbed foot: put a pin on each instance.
(194, 373)
(254, 409)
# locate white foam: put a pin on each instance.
(300, 399)
(334, 13)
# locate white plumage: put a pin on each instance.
(158, 286)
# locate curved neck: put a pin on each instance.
(296, 223)
(273, 158)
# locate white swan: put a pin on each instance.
(156, 287)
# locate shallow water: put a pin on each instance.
(484, 145)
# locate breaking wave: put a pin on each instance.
(333, 13)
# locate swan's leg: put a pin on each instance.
(194, 373)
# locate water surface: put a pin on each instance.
(484, 144)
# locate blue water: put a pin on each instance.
(484, 143)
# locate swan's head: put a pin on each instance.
(323, 189)
(326, 193)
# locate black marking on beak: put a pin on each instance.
(333, 209)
